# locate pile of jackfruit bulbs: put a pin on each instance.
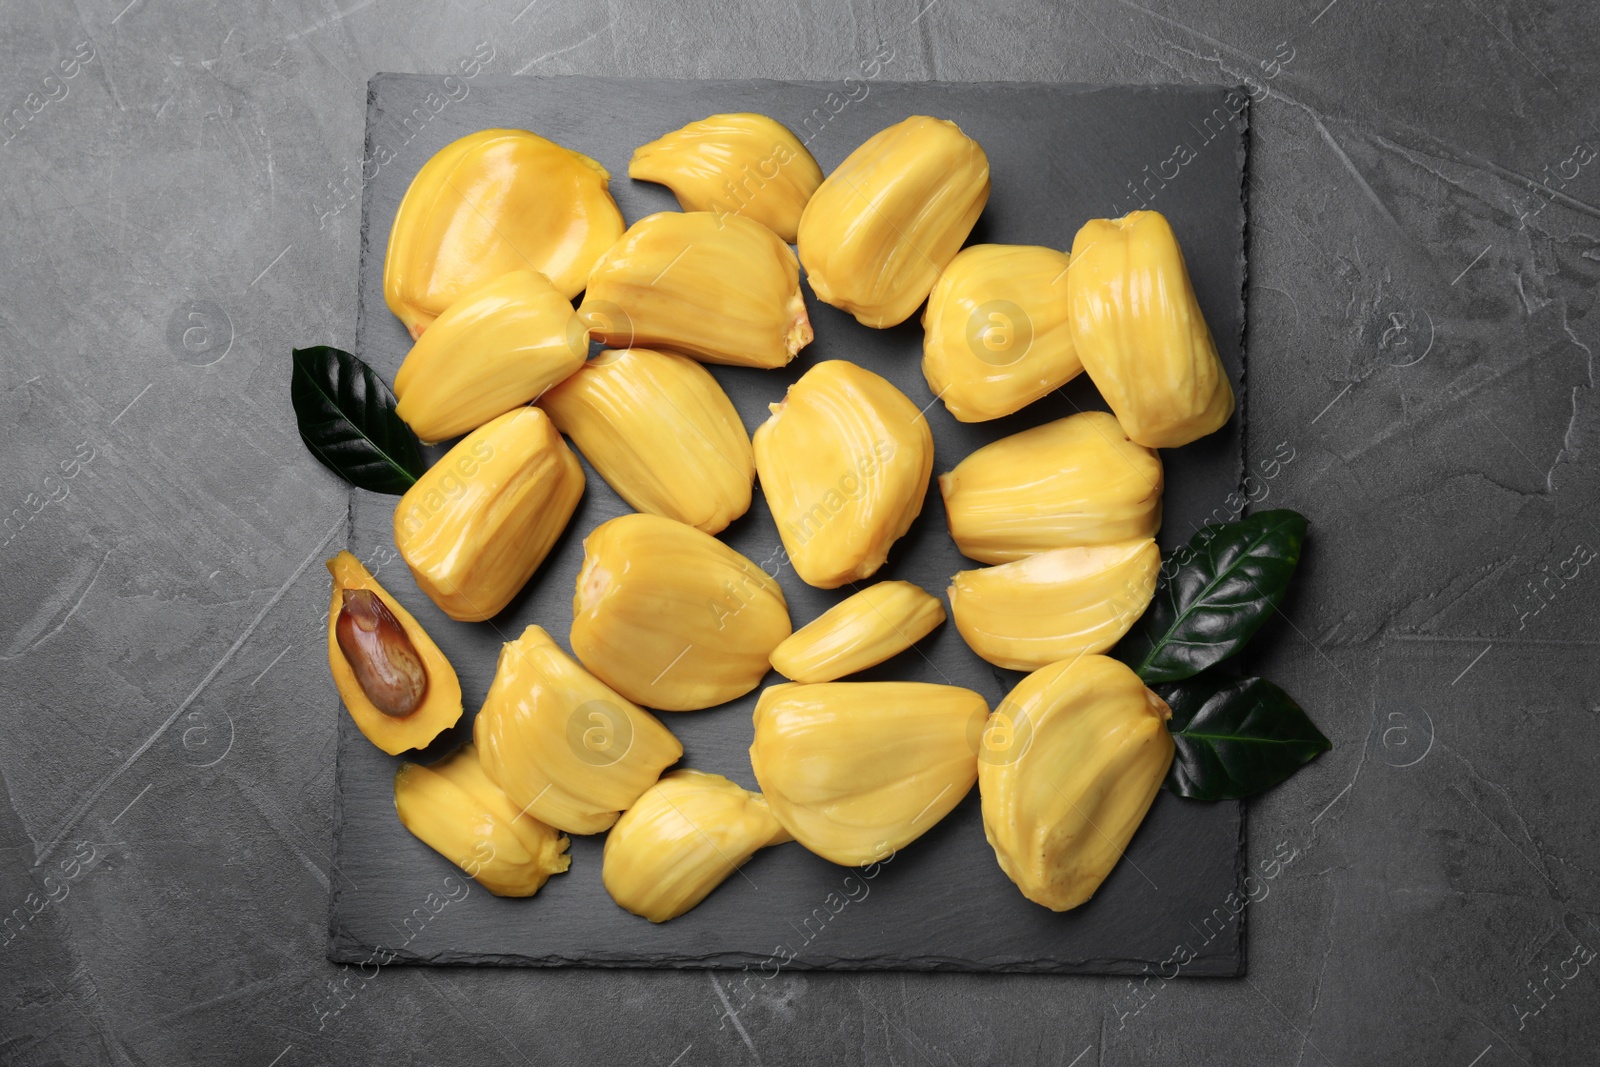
(496, 236)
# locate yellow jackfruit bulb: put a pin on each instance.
(1055, 605)
(844, 462)
(1067, 767)
(564, 746)
(1140, 332)
(722, 289)
(996, 334)
(739, 164)
(1074, 481)
(504, 342)
(860, 631)
(681, 839)
(456, 810)
(881, 227)
(478, 523)
(398, 686)
(671, 617)
(492, 202)
(661, 432)
(858, 770)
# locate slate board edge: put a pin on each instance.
(336, 937)
(1241, 963)
(351, 951)
(374, 84)
(344, 949)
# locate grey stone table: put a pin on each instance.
(181, 186)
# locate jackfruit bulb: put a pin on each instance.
(844, 462)
(681, 840)
(478, 523)
(502, 344)
(719, 288)
(1140, 332)
(661, 432)
(858, 770)
(996, 334)
(860, 631)
(1074, 481)
(1055, 605)
(1068, 765)
(880, 228)
(671, 617)
(739, 164)
(455, 809)
(496, 201)
(564, 746)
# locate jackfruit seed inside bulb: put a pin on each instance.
(380, 653)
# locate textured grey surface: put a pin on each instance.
(1414, 178)
(1057, 155)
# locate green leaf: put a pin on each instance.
(347, 420)
(1231, 577)
(1236, 737)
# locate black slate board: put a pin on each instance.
(1059, 154)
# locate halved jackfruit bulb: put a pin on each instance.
(661, 432)
(860, 631)
(1074, 481)
(844, 462)
(397, 685)
(681, 840)
(671, 617)
(478, 523)
(1140, 332)
(738, 164)
(997, 335)
(722, 289)
(1055, 605)
(858, 770)
(563, 745)
(1068, 766)
(881, 227)
(502, 344)
(455, 809)
(492, 202)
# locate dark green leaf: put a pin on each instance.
(1236, 737)
(1230, 577)
(347, 420)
